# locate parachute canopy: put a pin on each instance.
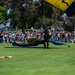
(68, 6)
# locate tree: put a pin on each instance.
(3, 15)
(32, 13)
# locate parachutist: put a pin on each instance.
(46, 38)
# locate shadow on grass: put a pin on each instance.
(37, 47)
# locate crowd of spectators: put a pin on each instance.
(19, 36)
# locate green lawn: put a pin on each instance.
(57, 60)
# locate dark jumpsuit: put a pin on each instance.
(46, 39)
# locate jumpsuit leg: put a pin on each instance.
(47, 44)
(44, 44)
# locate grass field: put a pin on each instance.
(57, 60)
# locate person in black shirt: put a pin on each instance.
(46, 38)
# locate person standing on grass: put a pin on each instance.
(46, 38)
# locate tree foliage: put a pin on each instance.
(3, 14)
(30, 13)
